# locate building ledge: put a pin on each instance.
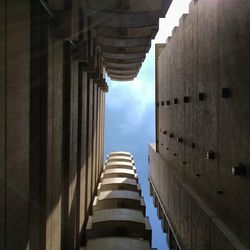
(115, 243)
(124, 222)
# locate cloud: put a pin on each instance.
(131, 100)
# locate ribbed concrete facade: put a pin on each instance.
(118, 213)
(54, 55)
(199, 167)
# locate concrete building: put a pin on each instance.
(118, 213)
(199, 167)
(54, 57)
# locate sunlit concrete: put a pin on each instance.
(118, 183)
(119, 172)
(120, 153)
(119, 164)
(126, 222)
(119, 158)
(119, 199)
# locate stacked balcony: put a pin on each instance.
(122, 30)
(118, 213)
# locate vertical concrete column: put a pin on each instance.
(98, 134)
(102, 128)
(3, 13)
(54, 137)
(82, 149)
(89, 140)
(94, 138)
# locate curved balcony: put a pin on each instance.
(120, 153)
(115, 243)
(119, 164)
(119, 158)
(119, 172)
(118, 222)
(119, 199)
(119, 183)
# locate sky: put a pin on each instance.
(130, 116)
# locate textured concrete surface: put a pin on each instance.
(201, 127)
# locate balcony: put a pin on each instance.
(124, 165)
(118, 222)
(119, 199)
(119, 183)
(118, 172)
(111, 243)
(119, 158)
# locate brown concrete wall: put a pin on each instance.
(209, 51)
(14, 125)
(191, 224)
(44, 137)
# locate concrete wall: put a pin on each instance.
(207, 54)
(51, 124)
(14, 114)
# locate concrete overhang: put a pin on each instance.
(129, 32)
(120, 164)
(111, 243)
(119, 199)
(119, 183)
(122, 80)
(122, 69)
(124, 42)
(122, 31)
(122, 65)
(119, 172)
(123, 73)
(120, 153)
(123, 56)
(119, 158)
(120, 77)
(131, 223)
(119, 194)
(137, 49)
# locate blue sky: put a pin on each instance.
(130, 115)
